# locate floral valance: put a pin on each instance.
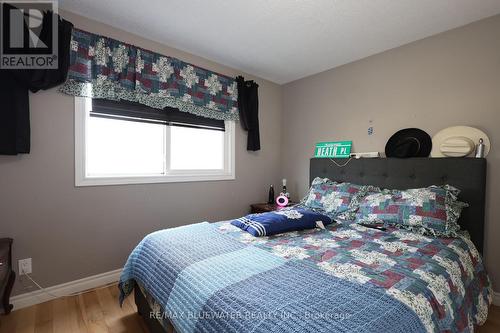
(102, 67)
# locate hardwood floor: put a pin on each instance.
(97, 311)
(492, 325)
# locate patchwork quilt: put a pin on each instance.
(217, 278)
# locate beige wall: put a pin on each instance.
(73, 232)
(449, 79)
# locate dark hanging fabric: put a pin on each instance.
(248, 104)
(14, 116)
(15, 84)
(43, 79)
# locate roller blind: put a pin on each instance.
(133, 111)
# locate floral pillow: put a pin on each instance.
(434, 210)
(337, 200)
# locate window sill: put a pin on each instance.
(103, 181)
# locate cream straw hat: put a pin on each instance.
(458, 141)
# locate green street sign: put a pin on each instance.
(338, 149)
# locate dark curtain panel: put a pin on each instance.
(248, 103)
(14, 116)
(15, 84)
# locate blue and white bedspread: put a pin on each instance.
(348, 278)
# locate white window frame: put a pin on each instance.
(83, 106)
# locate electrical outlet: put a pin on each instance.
(25, 266)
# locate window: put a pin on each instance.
(129, 143)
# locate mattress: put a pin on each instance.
(336, 279)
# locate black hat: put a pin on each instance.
(409, 142)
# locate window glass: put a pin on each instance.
(196, 148)
(123, 148)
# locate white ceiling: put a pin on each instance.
(284, 40)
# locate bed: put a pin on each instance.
(214, 277)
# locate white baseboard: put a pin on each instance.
(69, 288)
(496, 298)
(77, 286)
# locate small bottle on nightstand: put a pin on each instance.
(270, 199)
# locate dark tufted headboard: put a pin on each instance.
(467, 174)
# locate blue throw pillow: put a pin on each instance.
(280, 221)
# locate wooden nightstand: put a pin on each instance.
(7, 275)
(265, 207)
